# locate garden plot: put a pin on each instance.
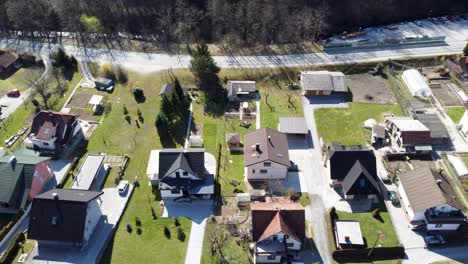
(367, 88)
(80, 103)
(444, 94)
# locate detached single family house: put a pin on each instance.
(322, 82)
(458, 67)
(407, 132)
(355, 170)
(8, 62)
(241, 91)
(428, 198)
(266, 155)
(52, 130)
(22, 177)
(64, 217)
(182, 173)
(278, 230)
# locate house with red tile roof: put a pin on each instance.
(278, 230)
(52, 130)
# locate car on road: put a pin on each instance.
(394, 198)
(122, 187)
(14, 93)
(434, 240)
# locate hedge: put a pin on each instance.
(4, 231)
(10, 253)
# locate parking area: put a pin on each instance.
(367, 88)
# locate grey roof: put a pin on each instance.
(424, 192)
(352, 185)
(70, 195)
(165, 89)
(233, 138)
(88, 171)
(273, 146)
(323, 80)
(235, 87)
(293, 125)
(351, 229)
(435, 125)
(190, 160)
(378, 131)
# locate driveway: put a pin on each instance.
(112, 207)
(10, 104)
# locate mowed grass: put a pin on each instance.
(21, 78)
(371, 226)
(455, 113)
(232, 251)
(345, 125)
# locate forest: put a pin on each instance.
(236, 21)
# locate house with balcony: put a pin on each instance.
(408, 134)
(278, 230)
(266, 155)
(64, 217)
(52, 130)
(429, 199)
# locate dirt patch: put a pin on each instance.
(404, 166)
(367, 88)
(444, 94)
(80, 99)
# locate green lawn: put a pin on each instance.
(305, 199)
(455, 113)
(20, 79)
(232, 251)
(345, 124)
(27, 248)
(370, 226)
(233, 169)
(277, 105)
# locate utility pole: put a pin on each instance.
(379, 236)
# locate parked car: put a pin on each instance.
(122, 187)
(435, 240)
(14, 93)
(394, 198)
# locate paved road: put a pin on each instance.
(149, 62)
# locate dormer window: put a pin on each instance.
(185, 173)
(54, 220)
(177, 174)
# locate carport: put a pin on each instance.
(293, 126)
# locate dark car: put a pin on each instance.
(394, 198)
(435, 240)
(14, 93)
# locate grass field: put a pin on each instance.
(455, 113)
(370, 227)
(345, 124)
(20, 79)
(232, 251)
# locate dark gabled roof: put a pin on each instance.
(16, 178)
(288, 217)
(352, 182)
(45, 122)
(70, 195)
(235, 87)
(233, 138)
(190, 160)
(342, 160)
(69, 210)
(7, 59)
(273, 147)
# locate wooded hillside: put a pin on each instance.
(236, 21)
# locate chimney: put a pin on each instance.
(12, 162)
(441, 170)
(55, 195)
(439, 181)
(269, 139)
(346, 238)
(257, 147)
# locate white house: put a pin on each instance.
(428, 198)
(266, 155)
(278, 230)
(182, 173)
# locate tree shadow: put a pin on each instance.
(176, 133)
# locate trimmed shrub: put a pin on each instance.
(176, 222)
(180, 234)
(167, 232)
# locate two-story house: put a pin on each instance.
(278, 230)
(64, 217)
(23, 175)
(182, 173)
(266, 155)
(429, 199)
(52, 130)
(409, 133)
